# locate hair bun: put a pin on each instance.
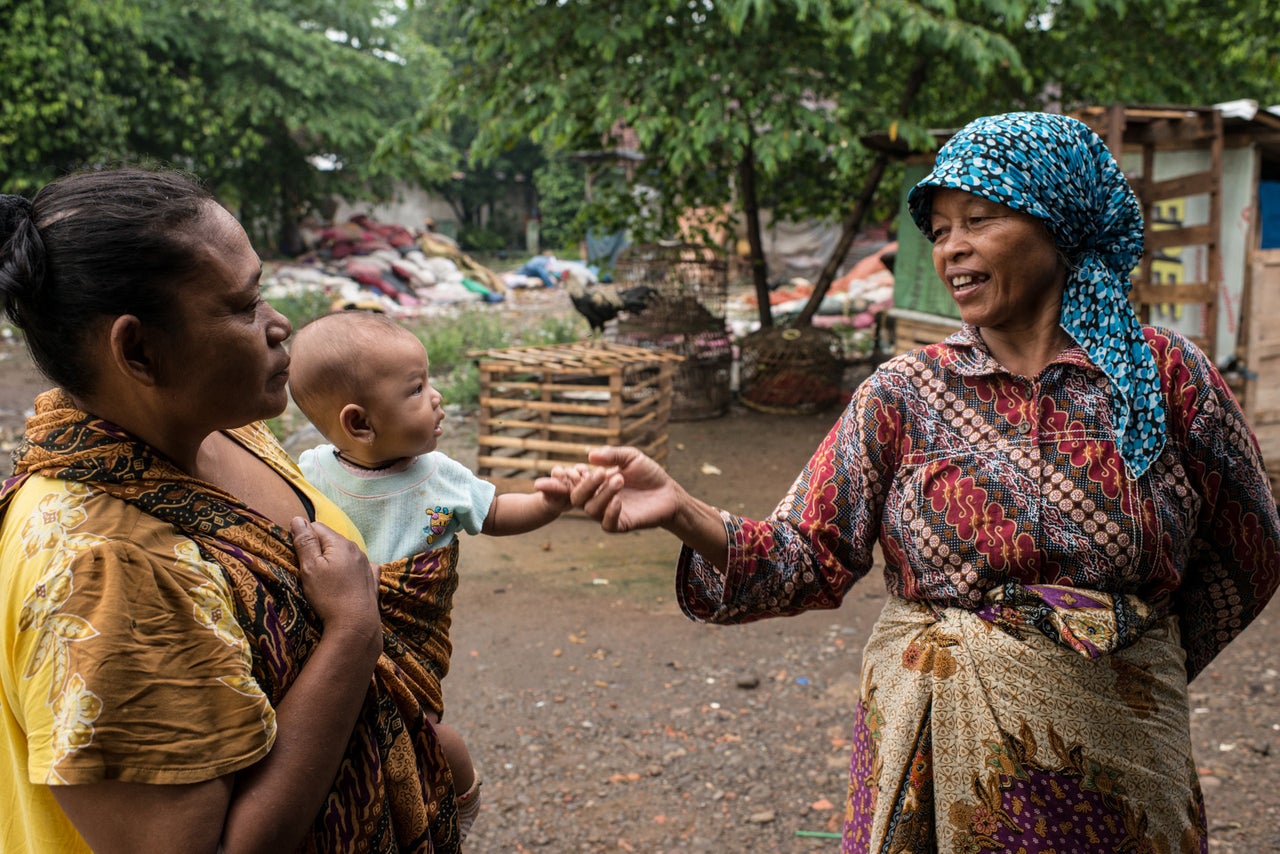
(13, 210)
(21, 251)
(19, 204)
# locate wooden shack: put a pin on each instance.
(1210, 269)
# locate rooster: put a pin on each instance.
(601, 303)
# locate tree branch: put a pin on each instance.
(853, 222)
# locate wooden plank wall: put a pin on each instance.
(911, 329)
(1259, 391)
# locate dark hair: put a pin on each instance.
(91, 246)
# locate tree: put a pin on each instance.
(285, 83)
(247, 93)
(475, 191)
(559, 184)
(744, 102)
(734, 103)
(1188, 52)
(435, 139)
(60, 102)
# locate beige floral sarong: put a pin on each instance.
(971, 739)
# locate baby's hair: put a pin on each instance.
(327, 368)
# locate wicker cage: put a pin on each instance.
(690, 286)
(701, 387)
(685, 315)
(792, 370)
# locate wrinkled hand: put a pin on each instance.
(337, 579)
(625, 491)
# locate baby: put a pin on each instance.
(363, 381)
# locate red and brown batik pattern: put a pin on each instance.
(1025, 688)
(971, 478)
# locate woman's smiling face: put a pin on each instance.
(1000, 265)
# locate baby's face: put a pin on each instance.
(403, 408)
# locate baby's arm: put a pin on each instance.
(520, 512)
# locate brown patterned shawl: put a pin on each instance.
(393, 790)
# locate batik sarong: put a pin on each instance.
(416, 599)
(972, 736)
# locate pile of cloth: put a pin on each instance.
(857, 299)
(548, 271)
(363, 263)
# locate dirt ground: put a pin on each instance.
(603, 720)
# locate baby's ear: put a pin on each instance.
(354, 422)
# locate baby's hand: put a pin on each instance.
(556, 487)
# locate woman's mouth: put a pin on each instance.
(964, 283)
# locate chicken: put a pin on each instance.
(601, 303)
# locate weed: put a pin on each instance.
(451, 339)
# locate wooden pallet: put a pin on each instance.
(545, 406)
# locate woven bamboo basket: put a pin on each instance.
(791, 370)
(701, 386)
(685, 316)
(690, 286)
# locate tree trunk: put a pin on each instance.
(290, 233)
(853, 222)
(459, 208)
(751, 211)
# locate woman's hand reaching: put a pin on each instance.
(626, 490)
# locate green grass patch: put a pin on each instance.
(450, 338)
(303, 307)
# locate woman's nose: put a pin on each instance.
(279, 327)
(952, 243)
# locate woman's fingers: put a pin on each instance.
(305, 541)
(604, 504)
(585, 486)
(336, 576)
(610, 456)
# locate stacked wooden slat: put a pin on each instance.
(544, 406)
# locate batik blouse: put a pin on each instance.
(974, 480)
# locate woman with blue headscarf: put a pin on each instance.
(1073, 514)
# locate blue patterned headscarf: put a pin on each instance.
(1057, 169)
